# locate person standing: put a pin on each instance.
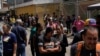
(31, 39)
(61, 39)
(9, 41)
(36, 18)
(47, 45)
(78, 24)
(89, 46)
(68, 24)
(21, 37)
(36, 38)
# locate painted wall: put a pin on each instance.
(27, 9)
(39, 9)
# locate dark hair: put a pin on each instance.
(74, 29)
(48, 29)
(38, 25)
(88, 28)
(8, 26)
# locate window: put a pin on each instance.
(27, 0)
(65, 0)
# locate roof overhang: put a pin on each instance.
(35, 2)
(94, 6)
(3, 10)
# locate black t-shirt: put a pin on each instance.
(47, 43)
(84, 51)
(8, 41)
(63, 41)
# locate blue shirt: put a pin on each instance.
(8, 42)
(20, 34)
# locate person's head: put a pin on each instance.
(19, 22)
(59, 29)
(90, 22)
(33, 23)
(39, 27)
(6, 28)
(78, 18)
(73, 15)
(90, 37)
(68, 17)
(48, 32)
(50, 21)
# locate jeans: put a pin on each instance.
(21, 50)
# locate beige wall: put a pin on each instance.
(27, 9)
(48, 8)
(39, 9)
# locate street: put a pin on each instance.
(72, 16)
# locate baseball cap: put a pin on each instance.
(90, 21)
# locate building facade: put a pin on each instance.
(68, 7)
(79, 7)
(34, 6)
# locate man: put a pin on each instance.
(68, 24)
(9, 41)
(47, 44)
(21, 37)
(88, 22)
(89, 45)
(79, 24)
(31, 39)
(36, 38)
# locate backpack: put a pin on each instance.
(80, 44)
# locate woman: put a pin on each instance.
(61, 39)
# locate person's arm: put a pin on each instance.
(64, 42)
(25, 37)
(42, 50)
(26, 40)
(14, 44)
(40, 45)
(29, 41)
(56, 49)
(76, 39)
(72, 50)
(15, 49)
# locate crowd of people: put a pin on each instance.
(50, 39)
